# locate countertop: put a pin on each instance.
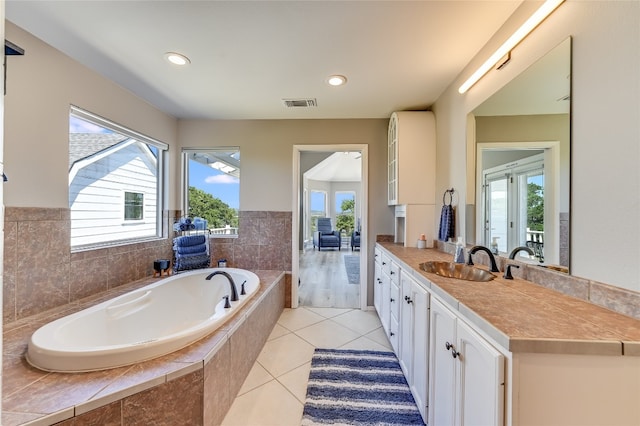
(524, 317)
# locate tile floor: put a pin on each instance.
(276, 387)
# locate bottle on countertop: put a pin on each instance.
(459, 255)
(494, 245)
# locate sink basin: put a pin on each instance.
(457, 270)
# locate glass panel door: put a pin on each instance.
(497, 218)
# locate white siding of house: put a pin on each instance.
(96, 196)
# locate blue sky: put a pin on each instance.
(216, 183)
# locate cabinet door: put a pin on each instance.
(442, 366)
(420, 373)
(406, 329)
(385, 305)
(481, 380)
(377, 286)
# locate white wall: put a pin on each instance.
(605, 206)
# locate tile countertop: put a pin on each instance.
(525, 317)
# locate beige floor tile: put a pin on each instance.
(327, 334)
(258, 376)
(268, 405)
(296, 381)
(364, 344)
(285, 353)
(328, 312)
(295, 319)
(379, 336)
(362, 322)
(278, 331)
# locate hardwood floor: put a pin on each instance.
(323, 280)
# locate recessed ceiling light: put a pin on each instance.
(176, 58)
(336, 80)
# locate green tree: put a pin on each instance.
(344, 219)
(217, 213)
(535, 207)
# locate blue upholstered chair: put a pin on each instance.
(355, 240)
(325, 236)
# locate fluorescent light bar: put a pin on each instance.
(533, 21)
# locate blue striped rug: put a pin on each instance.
(350, 387)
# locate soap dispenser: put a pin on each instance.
(459, 255)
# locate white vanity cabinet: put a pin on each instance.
(394, 306)
(377, 280)
(414, 339)
(466, 373)
(411, 158)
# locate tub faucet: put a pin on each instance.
(475, 249)
(515, 251)
(234, 290)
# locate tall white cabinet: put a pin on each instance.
(411, 174)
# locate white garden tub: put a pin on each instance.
(146, 323)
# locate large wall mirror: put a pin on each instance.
(522, 163)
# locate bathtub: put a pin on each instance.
(145, 323)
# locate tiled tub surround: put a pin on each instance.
(195, 385)
(41, 272)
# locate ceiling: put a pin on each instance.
(338, 167)
(247, 56)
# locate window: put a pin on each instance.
(212, 188)
(115, 182)
(345, 210)
(318, 203)
(133, 205)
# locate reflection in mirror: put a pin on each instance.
(522, 162)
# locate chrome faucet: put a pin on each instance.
(475, 249)
(515, 251)
(234, 290)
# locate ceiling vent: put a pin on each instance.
(300, 103)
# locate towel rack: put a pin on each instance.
(450, 192)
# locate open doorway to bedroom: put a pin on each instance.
(329, 264)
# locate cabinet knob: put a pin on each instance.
(408, 299)
(379, 281)
(384, 263)
(393, 300)
(391, 272)
(392, 333)
(454, 353)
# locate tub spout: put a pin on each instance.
(234, 290)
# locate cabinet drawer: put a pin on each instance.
(394, 333)
(394, 272)
(394, 300)
(385, 262)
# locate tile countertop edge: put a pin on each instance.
(516, 344)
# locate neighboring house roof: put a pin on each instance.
(84, 145)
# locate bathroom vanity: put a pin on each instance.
(504, 352)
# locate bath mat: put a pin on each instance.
(352, 264)
(351, 387)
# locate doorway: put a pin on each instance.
(342, 199)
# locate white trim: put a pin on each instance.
(551, 190)
(101, 121)
(296, 206)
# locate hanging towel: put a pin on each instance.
(197, 249)
(447, 219)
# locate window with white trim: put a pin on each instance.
(115, 182)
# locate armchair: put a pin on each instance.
(325, 236)
(355, 240)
